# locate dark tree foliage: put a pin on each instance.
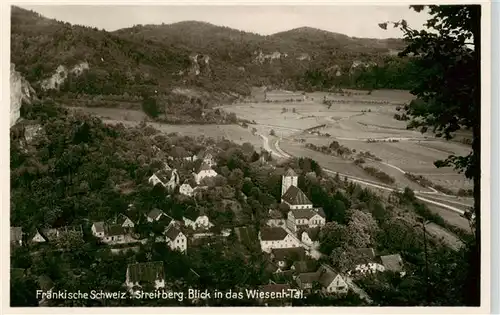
(448, 84)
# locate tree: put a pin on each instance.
(272, 132)
(448, 60)
(150, 106)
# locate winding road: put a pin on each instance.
(278, 152)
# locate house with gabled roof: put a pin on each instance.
(155, 215)
(16, 235)
(167, 178)
(276, 237)
(175, 239)
(186, 189)
(140, 275)
(205, 171)
(112, 234)
(50, 235)
(325, 279)
(305, 218)
(393, 263)
(197, 222)
(124, 221)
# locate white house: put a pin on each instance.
(276, 237)
(167, 178)
(151, 273)
(186, 190)
(330, 281)
(198, 222)
(176, 240)
(112, 234)
(38, 237)
(310, 237)
(98, 229)
(305, 218)
(204, 172)
(124, 221)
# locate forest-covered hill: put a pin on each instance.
(218, 63)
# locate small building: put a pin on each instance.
(276, 237)
(112, 234)
(393, 263)
(150, 274)
(305, 219)
(205, 171)
(50, 235)
(186, 190)
(175, 239)
(310, 237)
(16, 235)
(155, 215)
(124, 221)
(325, 279)
(98, 229)
(167, 178)
(197, 222)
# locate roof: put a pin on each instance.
(146, 272)
(308, 277)
(272, 234)
(296, 253)
(303, 213)
(271, 267)
(121, 219)
(204, 167)
(392, 262)
(290, 172)
(295, 196)
(303, 266)
(16, 234)
(155, 213)
(313, 233)
(163, 175)
(114, 229)
(99, 227)
(172, 232)
(326, 275)
(274, 287)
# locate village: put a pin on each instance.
(291, 241)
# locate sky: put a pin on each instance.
(352, 20)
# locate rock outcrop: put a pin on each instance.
(58, 78)
(20, 92)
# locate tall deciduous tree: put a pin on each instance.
(448, 55)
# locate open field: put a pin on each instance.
(353, 123)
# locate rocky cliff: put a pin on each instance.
(20, 92)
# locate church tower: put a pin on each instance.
(290, 178)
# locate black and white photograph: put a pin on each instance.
(273, 156)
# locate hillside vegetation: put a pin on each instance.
(190, 66)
